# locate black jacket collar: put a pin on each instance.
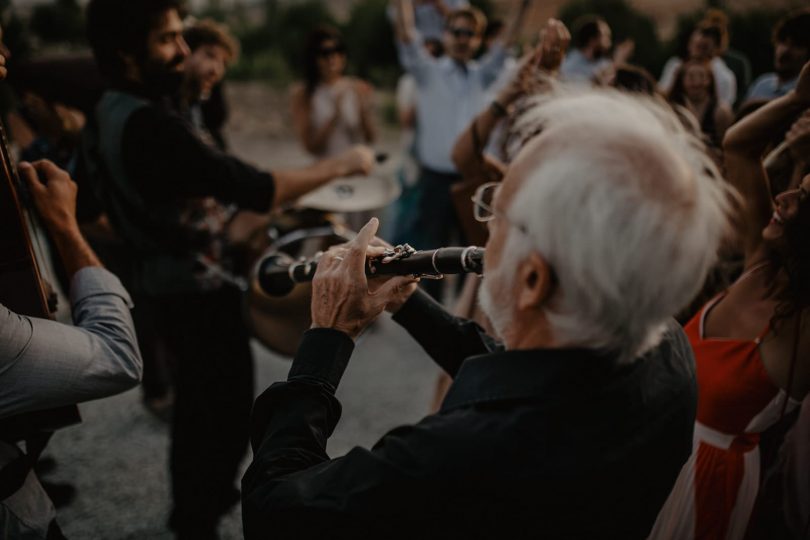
(538, 373)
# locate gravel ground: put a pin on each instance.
(117, 457)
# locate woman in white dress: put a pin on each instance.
(331, 111)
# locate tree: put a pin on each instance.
(60, 21)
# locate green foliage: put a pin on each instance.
(58, 22)
(486, 6)
(370, 42)
(751, 35)
(276, 48)
(293, 24)
(625, 22)
(268, 65)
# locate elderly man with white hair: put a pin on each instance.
(576, 424)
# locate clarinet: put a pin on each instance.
(277, 274)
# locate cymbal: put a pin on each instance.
(353, 194)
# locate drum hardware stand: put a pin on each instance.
(216, 270)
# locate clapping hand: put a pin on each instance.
(547, 55)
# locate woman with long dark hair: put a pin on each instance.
(695, 90)
(331, 111)
(752, 342)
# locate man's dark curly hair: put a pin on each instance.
(122, 26)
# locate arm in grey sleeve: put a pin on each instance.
(415, 59)
(492, 63)
(46, 364)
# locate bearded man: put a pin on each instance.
(151, 170)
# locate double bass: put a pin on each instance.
(23, 291)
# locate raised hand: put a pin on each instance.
(802, 90)
(554, 41)
(547, 55)
(798, 138)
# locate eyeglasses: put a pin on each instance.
(484, 210)
(325, 52)
(461, 32)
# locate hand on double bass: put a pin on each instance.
(54, 195)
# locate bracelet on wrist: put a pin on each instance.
(498, 109)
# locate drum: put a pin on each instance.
(279, 323)
(353, 194)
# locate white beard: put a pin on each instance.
(496, 302)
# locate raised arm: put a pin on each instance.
(744, 145)
(467, 153)
(404, 24)
(510, 36)
(293, 183)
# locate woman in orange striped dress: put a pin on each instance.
(751, 343)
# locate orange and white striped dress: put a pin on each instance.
(715, 492)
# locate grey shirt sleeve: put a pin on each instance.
(45, 364)
(415, 59)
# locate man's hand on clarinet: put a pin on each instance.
(341, 297)
(377, 247)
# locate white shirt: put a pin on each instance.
(724, 79)
(450, 96)
(348, 131)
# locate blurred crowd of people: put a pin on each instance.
(572, 404)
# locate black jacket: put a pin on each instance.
(537, 444)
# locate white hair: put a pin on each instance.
(628, 210)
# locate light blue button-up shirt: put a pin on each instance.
(450, 96)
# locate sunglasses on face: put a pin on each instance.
(325, 52)
(461, 32)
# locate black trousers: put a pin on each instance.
(207, 337)
(432, 221)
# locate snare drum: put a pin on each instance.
(279, 323)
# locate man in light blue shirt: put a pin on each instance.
(791, 51)
(452, 89)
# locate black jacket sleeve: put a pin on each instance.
(164, 156)
(447, 339)
(293, 490)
